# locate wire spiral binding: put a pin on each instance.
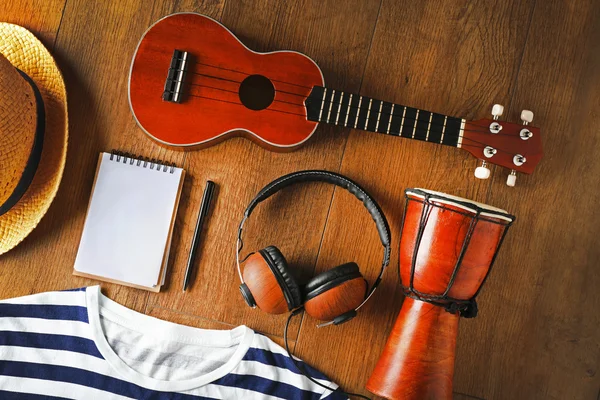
(144, 162)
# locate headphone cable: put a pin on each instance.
(301, 368)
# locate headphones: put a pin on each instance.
(334, 295)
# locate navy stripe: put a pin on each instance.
(81, 289)
(44, 311)
(88, 379)
(4, 395)
(279, 360)
(49, 341)
(266, 386)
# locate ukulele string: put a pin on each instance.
(463, 144)
(413, 119)
(378, 113)
(479, 145)
(247, 74)
(237, 92)
(381, 112)
(304, 116)
(239, 82)
(240, 104)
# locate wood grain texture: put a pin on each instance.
(217, 69)
(537, 333)
(462, 396)
(16, 275)
(42, 17)
(443, 249)
(507, 143)
(95, 72)
(453, 58)
(264, 285)
(337, 301)
(418, 359)
(292, 220)
(542, 296)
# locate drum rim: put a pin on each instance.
(461, 202)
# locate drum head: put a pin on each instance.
(460, 203)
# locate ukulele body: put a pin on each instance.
(226, 90)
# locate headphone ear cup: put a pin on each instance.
(267, 278)
(334, 292)
(281, 270)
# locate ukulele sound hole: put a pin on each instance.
(257, 92)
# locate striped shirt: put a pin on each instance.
(78, 344)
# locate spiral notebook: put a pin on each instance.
(129, 223)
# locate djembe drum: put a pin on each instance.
(447, 247)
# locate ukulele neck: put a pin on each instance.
(361, 112)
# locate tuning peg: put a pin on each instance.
(497, 111)
(526, 117)
(482, 172)
(512, 178)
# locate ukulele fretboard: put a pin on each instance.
(361, 112)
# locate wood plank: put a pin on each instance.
(538, 335)
(44, 25)
(42, 17)
(333, 34)
(94, 49)
(453, 58)
(462, 396)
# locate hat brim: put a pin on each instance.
(28, 54)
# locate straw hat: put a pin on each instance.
(33, 132)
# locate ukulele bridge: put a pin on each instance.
(175, 77)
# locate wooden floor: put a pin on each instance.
(538, 332)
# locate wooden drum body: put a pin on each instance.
(447, 248)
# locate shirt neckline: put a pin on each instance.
(98, 304)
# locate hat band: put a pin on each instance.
(36, 150)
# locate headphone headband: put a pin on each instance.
(341, 181)
(336, 179)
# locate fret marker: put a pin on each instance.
(391, 116)
(348, 111)
(368, 113)
(402, 123)
(428, 127)
(415, 125)
(460, 133)
(358, 111)
(378, 116)
(443, 129)
(322, 103)
(339, 106)
(330, 105)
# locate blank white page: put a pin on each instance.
(128, 221)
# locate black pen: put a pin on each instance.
(204, 206)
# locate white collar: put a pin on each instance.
(98, 304)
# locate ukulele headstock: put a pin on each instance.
(517, 147)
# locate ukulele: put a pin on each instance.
(193, 84)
